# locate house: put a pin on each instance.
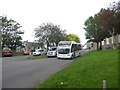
(29, 46)
(111, 42)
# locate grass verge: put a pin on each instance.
(87, 72)
(18, 54)
(36, 57)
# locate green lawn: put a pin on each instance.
(87, 72)
(37, 57)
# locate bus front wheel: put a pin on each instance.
(72, 56)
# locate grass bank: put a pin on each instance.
(87, 72)
(36, 57)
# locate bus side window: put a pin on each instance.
(79, 47)
(75, 47)
(72, 48)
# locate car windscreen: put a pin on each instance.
(64, 44)
(7, 50)
(39, 50)
(64, 51)
(52, 49)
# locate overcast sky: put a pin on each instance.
(69, 14)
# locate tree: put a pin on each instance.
(105, 23)
(57, 35)
(10, 33)
(93, 31)
(43, 33)
(50, 34)
(105, 19)
(118, 17)
(109, 20)
(116, 8)
(73, 37)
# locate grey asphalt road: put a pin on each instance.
(18, 72)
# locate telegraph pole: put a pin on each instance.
(0, 36)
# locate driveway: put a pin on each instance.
(18, 72)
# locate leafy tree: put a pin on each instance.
(105, 23)
(73, 37)
(90, 30)
(105, 20)
(50, 34)
(57, 35)
(116, 8)
(43, 33)
(10, 33)
(93, 31)
(118, 17)
(109, 20)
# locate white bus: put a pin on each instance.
(68, 49)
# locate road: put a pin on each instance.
(18, 72)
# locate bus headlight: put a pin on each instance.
(69, 54)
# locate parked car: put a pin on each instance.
(52, 52)
(26, 53)
(7, 52)
(39, 52)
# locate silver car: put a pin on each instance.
(39, 52)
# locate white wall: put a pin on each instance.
(119, 38)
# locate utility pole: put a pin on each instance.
(0, 36)
(0, 52)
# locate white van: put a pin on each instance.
(52, 52)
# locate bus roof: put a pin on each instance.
(67, 42)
